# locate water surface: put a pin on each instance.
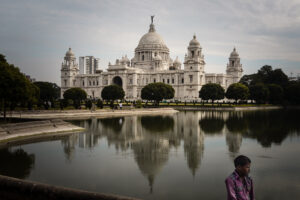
(182, 156)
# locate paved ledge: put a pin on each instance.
(35, 129)
(17, 189)
(83, 114)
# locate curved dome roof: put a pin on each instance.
(69, 53)
(152, 40)
(234, 53)
(125, 59)
(177, 61)
(194, 42)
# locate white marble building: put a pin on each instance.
(151, 63)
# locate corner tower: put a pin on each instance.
(194, 63)
(69, 70)
(234, 69)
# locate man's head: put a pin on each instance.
(242, 165)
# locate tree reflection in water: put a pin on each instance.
(268, 127)
(212, 122)
(157, 123)
(16, 163)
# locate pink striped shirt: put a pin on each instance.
(239, 188)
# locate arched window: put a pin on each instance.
(143, 57)
(82, 83)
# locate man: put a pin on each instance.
(239, 185)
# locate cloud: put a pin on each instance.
(36, 34)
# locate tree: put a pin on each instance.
(265, 73)
(237, 91)
(292, 93)
(88, 104)
(276, 93)
(112, 92)
(76, 95)
(48, 91)
(279, 78)
(15, 88)
(259, 93)
(250, 79)
(212, 91)
(100, 104)
(157, 92)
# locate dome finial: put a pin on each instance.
(152, 28)
(194, 36)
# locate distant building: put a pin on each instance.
(32, 80)
(151, 63)
(294, 78)
(88, 64)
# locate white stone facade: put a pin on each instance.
(151, 63)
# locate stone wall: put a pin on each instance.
(17, 189)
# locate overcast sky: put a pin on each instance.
(35, 34)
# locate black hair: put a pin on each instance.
(241, 160)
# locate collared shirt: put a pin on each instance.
(239, 188)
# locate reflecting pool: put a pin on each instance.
(187, 155)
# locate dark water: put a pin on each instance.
(183, 156)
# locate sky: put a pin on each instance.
(35, 34)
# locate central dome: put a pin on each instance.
(152, 41)
(151, 53)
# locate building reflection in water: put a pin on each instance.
(151, 138)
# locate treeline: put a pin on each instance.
(16, 90)
(265, 86)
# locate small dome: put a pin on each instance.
(126, 59)
(194, 42)
(69, 53)
(234, 53)
(177, 61)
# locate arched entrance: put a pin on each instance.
(117, 80)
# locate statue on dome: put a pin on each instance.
(152, 19)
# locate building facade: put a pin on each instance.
(151, 63)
